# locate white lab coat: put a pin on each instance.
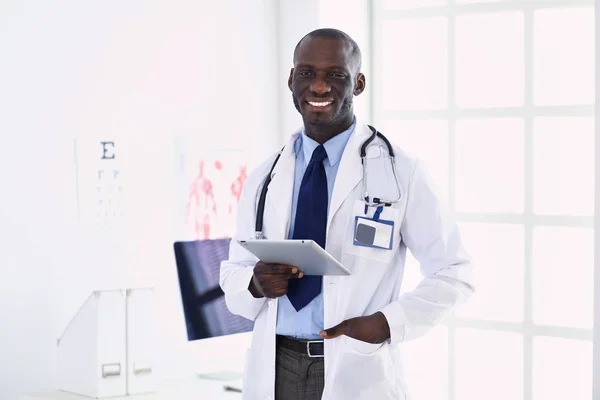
(354, 369)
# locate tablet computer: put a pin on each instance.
(307, 255)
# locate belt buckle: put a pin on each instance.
(308, 349)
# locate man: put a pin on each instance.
(339, 337)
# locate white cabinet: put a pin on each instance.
(92, 351)
(107, 350)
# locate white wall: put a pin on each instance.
(596, 363)
(144, 71)
(295, 19)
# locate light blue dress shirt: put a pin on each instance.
(308, 322)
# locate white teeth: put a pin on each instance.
(319, 103)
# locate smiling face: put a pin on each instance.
(324, 80)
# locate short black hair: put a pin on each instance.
(331, 33)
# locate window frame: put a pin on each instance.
(528, 112)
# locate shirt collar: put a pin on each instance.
(334, 146)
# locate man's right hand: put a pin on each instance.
(271, 280)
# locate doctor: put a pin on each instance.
(340, 337)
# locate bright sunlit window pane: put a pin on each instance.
(562, 369)
(489, 365)
(563, 165)
(408, 4)
(426, 361)
(415, 63)
(563, 276)
(563, 57)
(489, 60)
(498, 251)
(489, 165)
(427, 140)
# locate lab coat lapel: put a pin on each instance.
(281, 188)
(350, 171)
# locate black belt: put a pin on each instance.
(311, 348)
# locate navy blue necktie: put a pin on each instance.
(311, 223)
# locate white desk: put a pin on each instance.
(191, 388)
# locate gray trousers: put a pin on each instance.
(298, 376)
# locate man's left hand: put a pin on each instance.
(371, 329)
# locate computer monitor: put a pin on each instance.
(218, 339)
(205, 311)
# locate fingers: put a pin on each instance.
(284, 277)
(279, 292)
(338, 330)
(294, 272)
(265, 268)
(273, 279)
(283, 271)
(276, 289)
(369, 329)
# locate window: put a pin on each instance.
(497, 97)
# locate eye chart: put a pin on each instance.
(101, 180)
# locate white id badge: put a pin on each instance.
(370, 233)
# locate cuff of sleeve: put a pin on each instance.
(394, 314)
(240, 301)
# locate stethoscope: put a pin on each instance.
(377, 202)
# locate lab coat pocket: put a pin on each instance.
(366, 372)
(372, 253)
(360, 346)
